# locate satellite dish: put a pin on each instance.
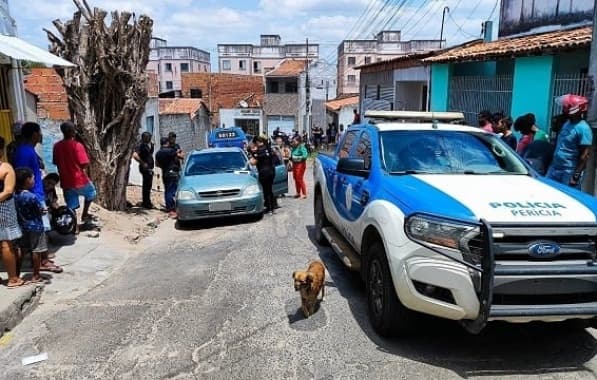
(243, 104)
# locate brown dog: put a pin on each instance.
(310, 283)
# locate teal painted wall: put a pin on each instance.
(532, 88)
(474, 68)
(440, 86)
(572, 63)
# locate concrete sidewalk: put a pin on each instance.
(87, 261)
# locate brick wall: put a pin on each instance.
(190, 134)
(224, 90)
(49, 88)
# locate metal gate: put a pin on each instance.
(472, 94)
(578, 84)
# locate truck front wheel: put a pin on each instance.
(321, 221)
(387, 315)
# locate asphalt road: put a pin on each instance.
(217, 302)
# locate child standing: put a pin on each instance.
(29, 212)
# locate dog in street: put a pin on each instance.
(309, 283)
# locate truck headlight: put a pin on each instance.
(449, 237)
(185, 195)
(252, 190)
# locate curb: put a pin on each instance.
(20, 306)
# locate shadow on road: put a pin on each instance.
(215, 223)
(500, 349)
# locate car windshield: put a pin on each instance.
(215, 162)
(447, 152)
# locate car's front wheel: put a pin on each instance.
(321, 220)
(387, 315)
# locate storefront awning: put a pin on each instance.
(16, 48)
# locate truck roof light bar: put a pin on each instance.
(449, 117)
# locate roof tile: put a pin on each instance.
(337, 104)
(180, 106)
(288, 68)
(517, 46)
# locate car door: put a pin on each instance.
(281, 177)
(357, 191)
(340, 181)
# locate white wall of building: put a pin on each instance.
(229, 117)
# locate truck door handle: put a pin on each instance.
(364, 198)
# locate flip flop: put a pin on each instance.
(18, 284)
(51, 268)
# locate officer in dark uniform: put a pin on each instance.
(264, 158)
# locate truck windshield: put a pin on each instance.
(447, 152)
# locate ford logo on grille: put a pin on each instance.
(544, 250)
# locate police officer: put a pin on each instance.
(263, 157)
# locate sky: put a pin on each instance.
(205, 23)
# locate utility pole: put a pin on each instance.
(308, 94)
(589, 183)
(441, 34)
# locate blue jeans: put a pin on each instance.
(564, 176)
(170, 186)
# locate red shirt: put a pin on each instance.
(69, 157)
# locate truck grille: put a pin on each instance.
(513, 244)
(525, 280)
(219, 193)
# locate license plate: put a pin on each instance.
(220, 206)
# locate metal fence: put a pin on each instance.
(472, 94)
(578, 84)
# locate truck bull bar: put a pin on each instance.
(484, 274)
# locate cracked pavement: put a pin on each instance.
(217, 302)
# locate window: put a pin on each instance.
(196, 93)
(169, 85)
(363, 150)
(184, 67)
(352, 61)
(257, 67)
(242, 64)
(367, 60)
(347, 144)
(168, 67)
(352, 79)
(226, 65)
(290, 88)
(441, 152)
(273, 87)
(149, 120)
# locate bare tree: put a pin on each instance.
(107, 91)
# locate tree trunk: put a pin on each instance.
(107, 91)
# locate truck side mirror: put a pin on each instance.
(352, 166)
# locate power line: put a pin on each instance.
(412, 17)
(466, 34)
(467, 18)
(493, 10)
(432, 7)
(393, 20)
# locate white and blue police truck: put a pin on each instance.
(445, 219)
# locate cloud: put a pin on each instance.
(205, 23)
(290, 7)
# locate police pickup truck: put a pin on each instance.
(447, 220)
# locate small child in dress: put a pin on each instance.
(29, 212)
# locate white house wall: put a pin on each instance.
(417, 74)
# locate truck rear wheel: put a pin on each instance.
(321, 220)
(387, 315)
